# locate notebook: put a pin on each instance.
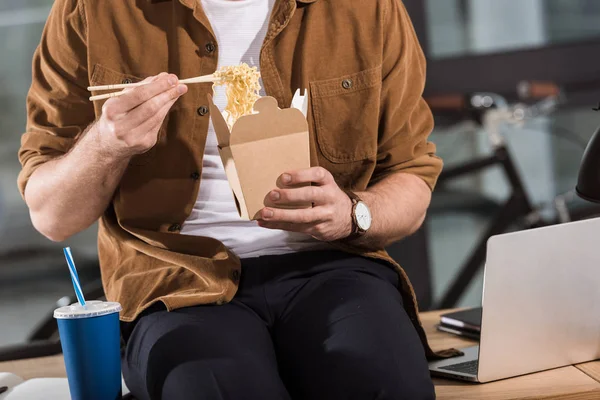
(459, 332)
(469, 320)
(36, 389)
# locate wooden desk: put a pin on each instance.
(46, 367)
(581, 382)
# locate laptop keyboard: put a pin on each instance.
(469, 367)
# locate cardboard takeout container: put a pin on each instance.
(258, 149)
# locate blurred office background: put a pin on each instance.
(472, 46)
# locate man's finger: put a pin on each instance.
(317, 175)
(151, 125)
(313, 215)
(152, 78)
(305, 194)
(151, 108)
(300, 228)
(142, 94)
(148, 80)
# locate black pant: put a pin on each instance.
(314, 325)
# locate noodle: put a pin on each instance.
(242, 90)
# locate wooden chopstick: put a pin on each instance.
(200, 79)
(107, 96)
(197, 79)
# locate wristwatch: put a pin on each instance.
(361, 215)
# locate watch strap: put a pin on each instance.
(356, 231)
(353, 196)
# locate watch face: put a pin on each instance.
(363, 216)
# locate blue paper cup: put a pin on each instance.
(90, 339)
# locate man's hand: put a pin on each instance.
(68, 194)
(129, 124)
(328, 220)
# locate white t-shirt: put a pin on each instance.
(240, 27)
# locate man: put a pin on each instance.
(303, 303)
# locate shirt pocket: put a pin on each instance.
(346, 115)
(102, 75)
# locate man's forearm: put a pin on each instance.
(398, 205)
(67, 195)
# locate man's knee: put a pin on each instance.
(396, 389)
(389, 386)
(223, 379)
(167, 363)
(200, 379)
(372, 377)
(184, 373)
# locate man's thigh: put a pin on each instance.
(346, 335)
(204, 352)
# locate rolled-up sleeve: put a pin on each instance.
(58, 109)
(406, 120)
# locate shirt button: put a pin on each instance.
(174, 228)
(235, 275)
(202, 111)
(210, 48)
(195, 176)
(347, 83)
(126, 81)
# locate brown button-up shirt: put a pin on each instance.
(360, 61)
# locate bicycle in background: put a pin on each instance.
(491, 113)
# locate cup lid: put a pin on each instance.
(94, 308)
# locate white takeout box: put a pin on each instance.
(259, 148)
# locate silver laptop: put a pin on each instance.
(541, 304)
